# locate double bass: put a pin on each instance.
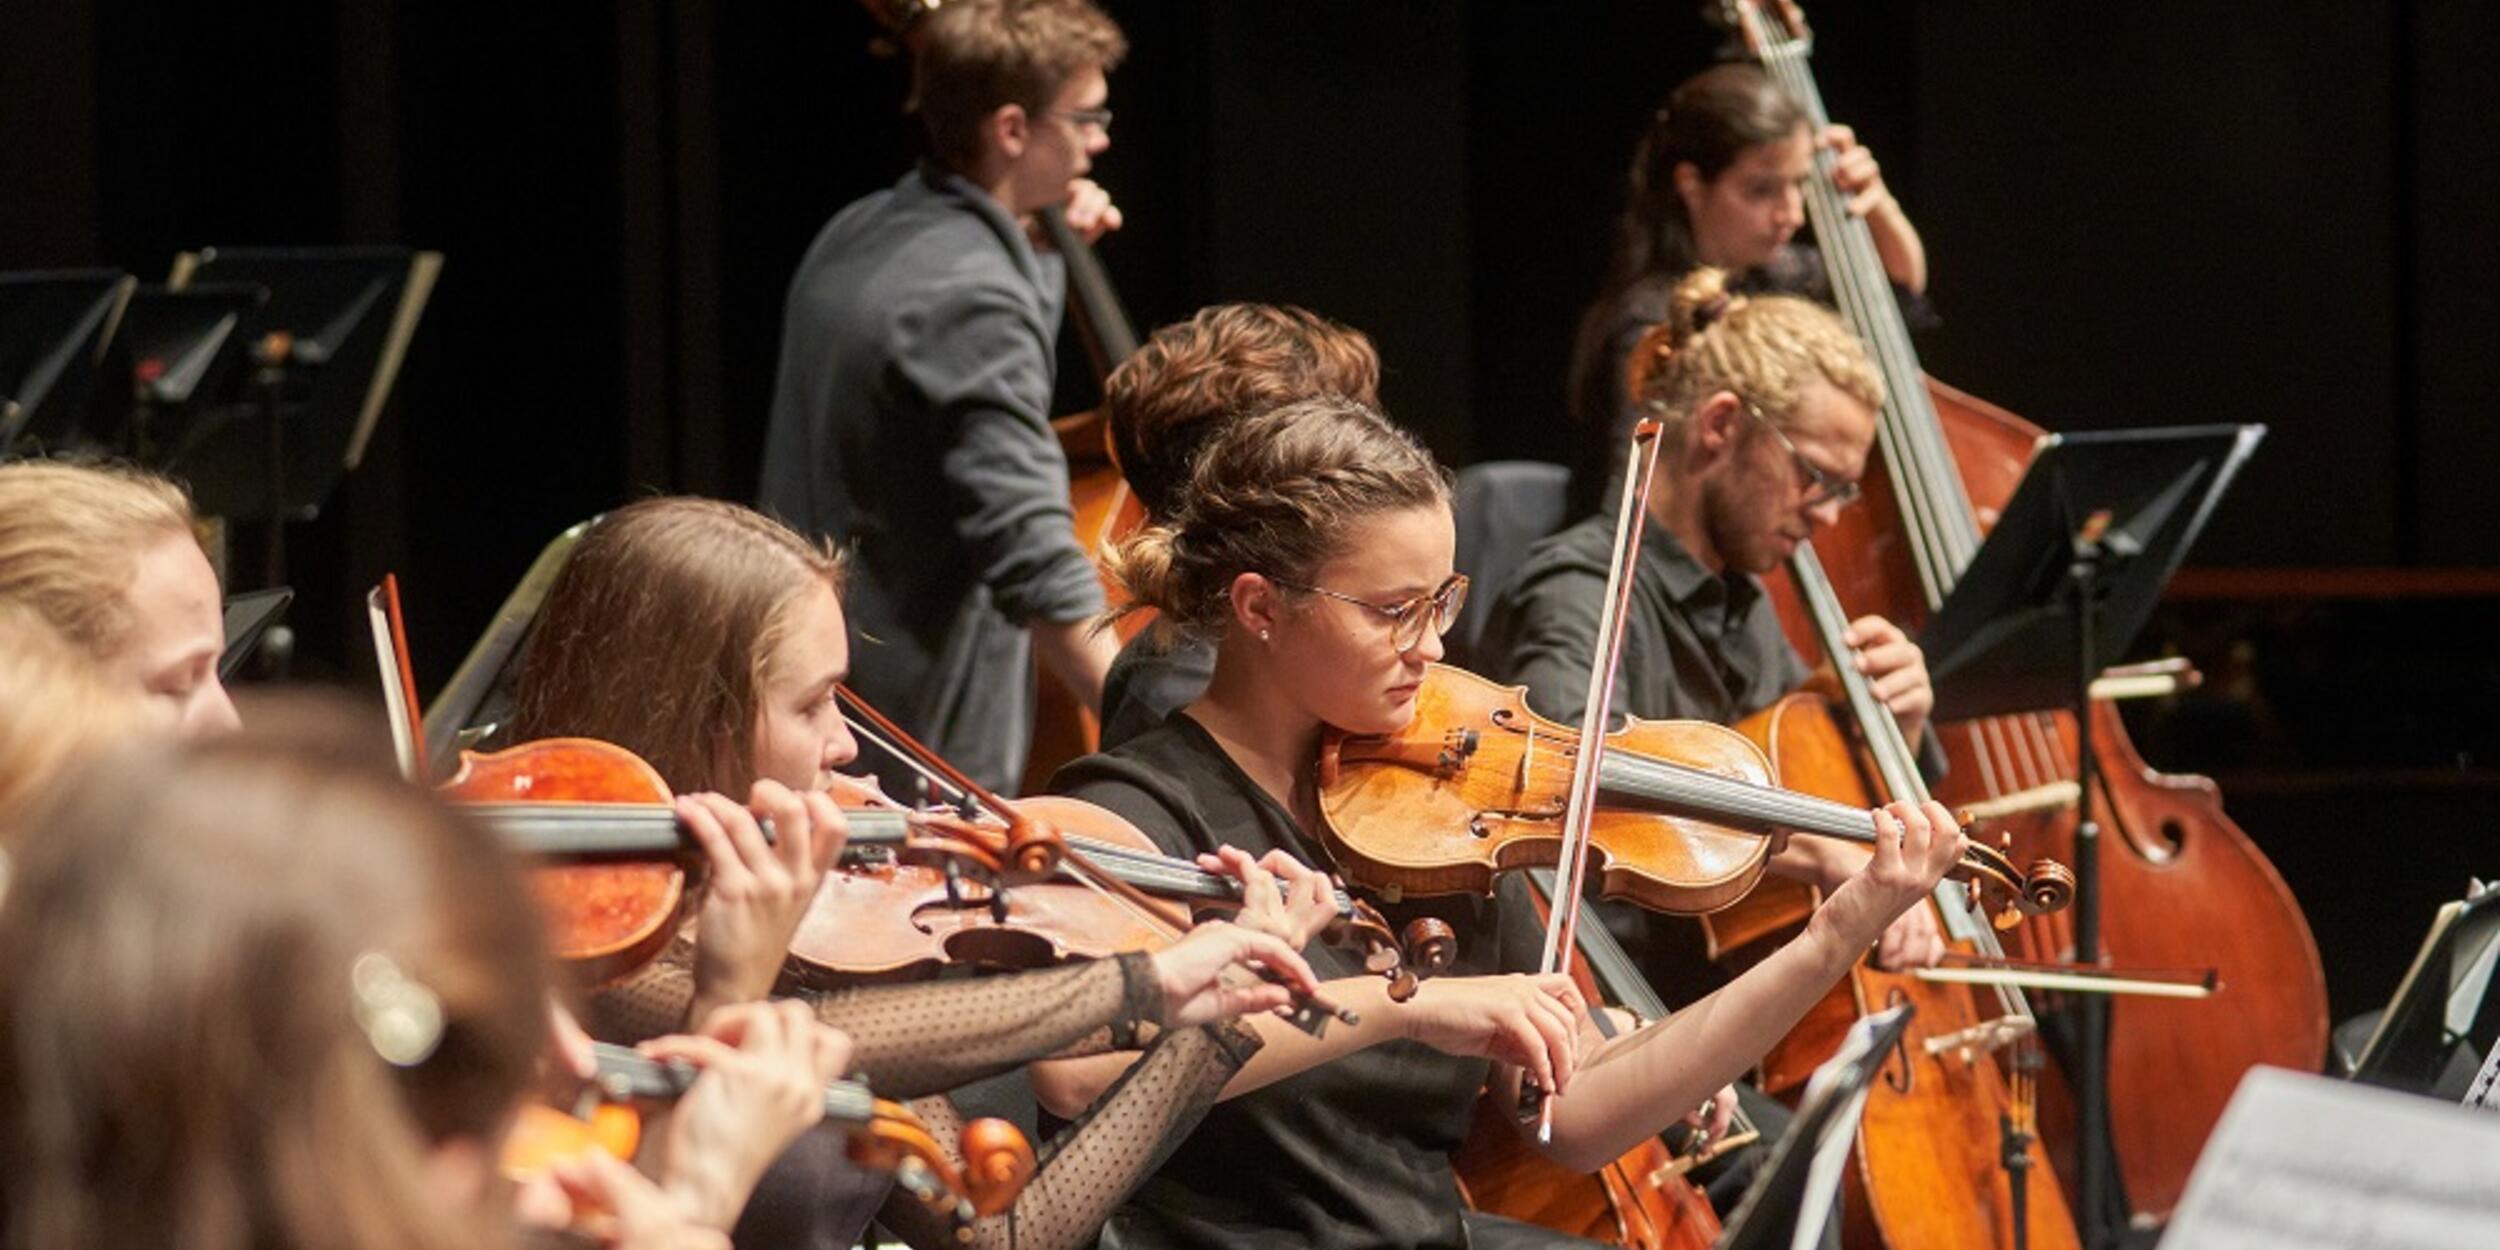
(2181, 884)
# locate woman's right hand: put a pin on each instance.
(1530, 1022)
(764, 1066)
(759, 890)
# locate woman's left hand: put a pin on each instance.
(1855, 172)
(1280, 895)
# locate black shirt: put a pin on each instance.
(1697, 645)
(1150, 679)
(1353, 1153)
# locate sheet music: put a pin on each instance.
(2301, 1162)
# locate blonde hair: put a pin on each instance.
(979, 55)
(1765, 348)
(660, 632)
(1273, 494)
(70, 535)
(197, 1057)
(54, 704)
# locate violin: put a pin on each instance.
(615, 885)
(915, 889)
(1112, 891)
(1476, 784)
(881, 1136)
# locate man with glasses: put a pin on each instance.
(910, 415)
(1769, 406)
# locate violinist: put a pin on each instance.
(108, 556)
(709, 639)
(1718, 179)
(1162, 404)
(268, 995)
(910, 416)
(1315, 542)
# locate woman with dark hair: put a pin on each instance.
(709, 639)
(1718, 180)
(1315, 543)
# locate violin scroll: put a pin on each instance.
(2008, 896)
(998, 1162)
(1427, 947)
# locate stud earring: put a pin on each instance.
(1263, 636)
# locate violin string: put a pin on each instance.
(937, 784)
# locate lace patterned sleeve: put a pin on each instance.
(931, 1036)
(647, 1002)
(1086, 1171)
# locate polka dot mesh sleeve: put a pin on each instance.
(1089, 1168)
(928, 1036)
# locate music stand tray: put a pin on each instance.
(350, 313)
(54, 328)
(2005, 639)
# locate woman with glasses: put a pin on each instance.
(1314, 543)
(1718, 179)
(1769, 405)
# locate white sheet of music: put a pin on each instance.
(2303, 1161)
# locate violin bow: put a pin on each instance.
(1562, 920)
(1027, 839)
(399, 682)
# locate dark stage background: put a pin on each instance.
(2138, 213)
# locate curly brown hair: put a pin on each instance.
(1274, 494)
(1230, 360)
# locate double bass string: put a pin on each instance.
(2014, 753)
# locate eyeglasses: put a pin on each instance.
(1098, 119)
(1408, 618)
(1822, 487)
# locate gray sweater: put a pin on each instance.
(910, 423)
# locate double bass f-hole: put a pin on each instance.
(1899, 1076)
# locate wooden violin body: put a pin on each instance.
(1475, 784)
(606, 917)
(2181, 884)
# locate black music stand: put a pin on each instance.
(2443, 1016)
(2061, 585)
(1768, 1216)
(322, 352)
(54, 327)
(176, 352)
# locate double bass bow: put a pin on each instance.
(2181, 884)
